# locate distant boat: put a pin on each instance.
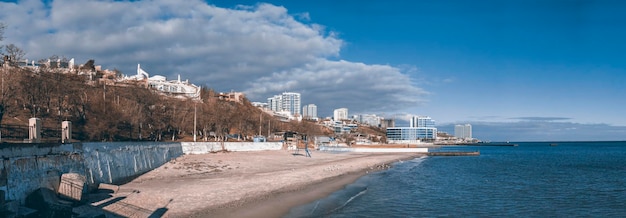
(553, 144)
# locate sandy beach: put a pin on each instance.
(242, 184)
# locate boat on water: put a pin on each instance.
(553, 144)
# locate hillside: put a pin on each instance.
(101, 112)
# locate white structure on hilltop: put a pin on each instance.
(287, 101)
(175, 88)
(340, 114)
(463, 131)
(309, 112)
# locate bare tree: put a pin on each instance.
(7, 92)
(14, 53)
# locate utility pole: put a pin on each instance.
(195, 111)
(269, 128)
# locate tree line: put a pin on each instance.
(101, 112)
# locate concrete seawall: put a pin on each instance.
(118, 162)
(26, 167)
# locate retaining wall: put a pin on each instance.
(26, 167)
(119, 162)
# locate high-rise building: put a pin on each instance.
(421, 121)
(287, 101)
(291, 102)
(275, 103)
(340, 114)
(369, 119)
(309, 111)
(463, 131)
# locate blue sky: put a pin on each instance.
(517, 70)
(495, 61)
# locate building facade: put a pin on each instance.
(177, 88)
(287, 101)
(410, 134)
(421, 121)
(369, 119)
(463, 131)
(340, 114)
(292, 102)
(275, 103)
(421, 128)
(309, 112)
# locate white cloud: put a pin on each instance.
(261, 49)
(334, 84)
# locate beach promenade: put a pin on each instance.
(241, 184)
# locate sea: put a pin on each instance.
(533, 179)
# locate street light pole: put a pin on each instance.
(195, 111)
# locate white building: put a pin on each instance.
(309, 112)
(275, 103)
(463, 131)
(420, 128)
(340, 114)
(287, 101)
(175, 88)
(369, 119)
(410, 135)
(421, 121)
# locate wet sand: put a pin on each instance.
(243, 184)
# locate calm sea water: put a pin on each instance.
(572, 179)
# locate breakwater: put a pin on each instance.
(27, 167)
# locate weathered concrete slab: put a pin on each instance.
(73, 186)
(108, 187)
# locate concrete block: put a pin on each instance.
(108, 187)
(72, 186)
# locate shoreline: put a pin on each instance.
(278, 204)
(247, 184)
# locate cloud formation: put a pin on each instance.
(261, 49)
